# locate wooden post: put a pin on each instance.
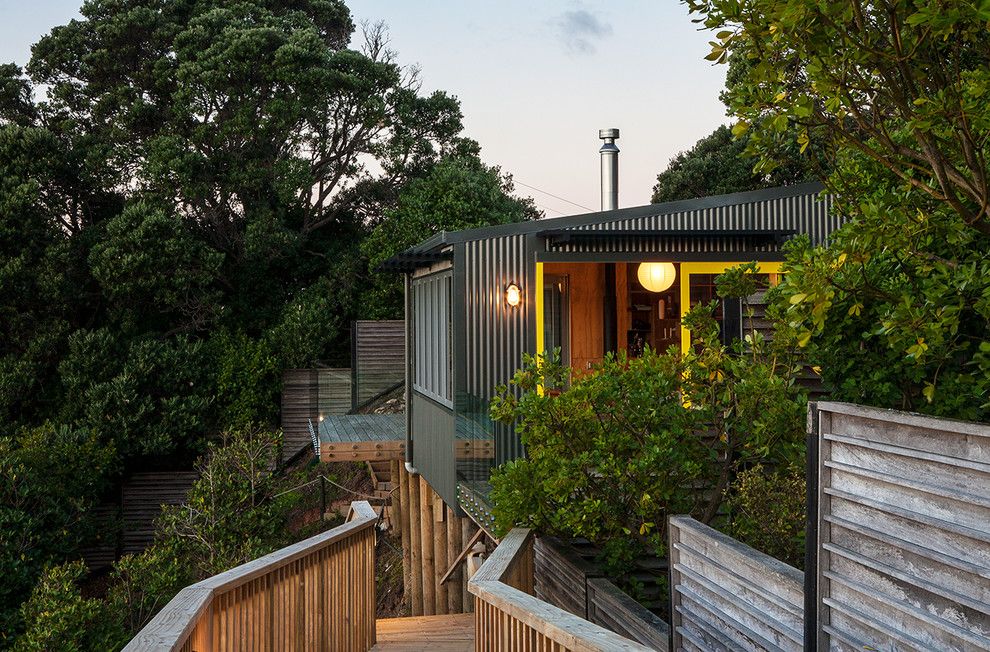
(454, 545)
(426, 540)
(468, 529)
(440, 526)
(403, 522)
(415, 546)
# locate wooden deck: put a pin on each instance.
(369, 437)
(434, 633)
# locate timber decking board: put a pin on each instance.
(342, 428)
(454, 633)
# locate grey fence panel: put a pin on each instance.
(567, 581)
(379, 358)
(903, 531)
(727, 596)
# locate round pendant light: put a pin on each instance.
(656, 277)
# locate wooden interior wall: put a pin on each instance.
(623, 319)
(585, 284)
(432, 538)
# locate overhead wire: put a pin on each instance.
(550, 194)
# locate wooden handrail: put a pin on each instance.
(508, 617)
(315, 594)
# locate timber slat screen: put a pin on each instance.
(727, 596)
(318, 594)
(903, 531)
(378, 360)
(508, 617)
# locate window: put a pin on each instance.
(431, 322)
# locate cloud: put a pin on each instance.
(580, 30)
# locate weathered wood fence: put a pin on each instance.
(903, 545)
(318, 594)
(898, 550)
(727, 596)
(566, 580)
(509, 617)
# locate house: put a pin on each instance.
(477, 300)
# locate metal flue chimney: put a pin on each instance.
(610, 169)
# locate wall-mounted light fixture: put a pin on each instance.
(656, 277)
(513, 295)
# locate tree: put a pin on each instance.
(459, 193)
(895, 310)
(717, 165)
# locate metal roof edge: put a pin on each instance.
(602, 217)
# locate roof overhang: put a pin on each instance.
(406, 262)
(756, 236)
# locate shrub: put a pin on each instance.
(615, 452)
(58, 618)
(768, 512)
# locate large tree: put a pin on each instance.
(896, 309)
(184, 189)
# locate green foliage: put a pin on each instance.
(247, 379)
(617, 451)
(458, 193)
(59, 619)
(50, 478)
(717, 165)
(232, 513)
(895, 310)
(147, 395)
(141, 584)
(768, 512)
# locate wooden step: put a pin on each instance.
(454, 633)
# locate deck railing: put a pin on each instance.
(508, 617)
(318, 594)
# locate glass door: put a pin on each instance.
(556, 316)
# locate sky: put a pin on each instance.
(536, 81)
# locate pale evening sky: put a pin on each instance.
(536, 81)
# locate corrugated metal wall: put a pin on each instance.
(727, 596)
(496, 334)
(802, 213)
(433, 445)
(904, 531)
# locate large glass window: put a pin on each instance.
(432, 370)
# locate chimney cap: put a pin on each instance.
(608, 133)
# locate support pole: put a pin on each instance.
(453, 550)
(403, 522)
(426, 541)
(415, 546)
(440, 525)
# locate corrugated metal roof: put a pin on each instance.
(799, 208)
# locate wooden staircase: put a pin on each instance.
(453, 633)
(383, 475)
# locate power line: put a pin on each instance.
(590, 210)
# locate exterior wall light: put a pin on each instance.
(513, 295)
(656, 277)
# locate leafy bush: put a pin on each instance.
(768, 512)
(45, 505)
(617, 451)
(59, 619)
